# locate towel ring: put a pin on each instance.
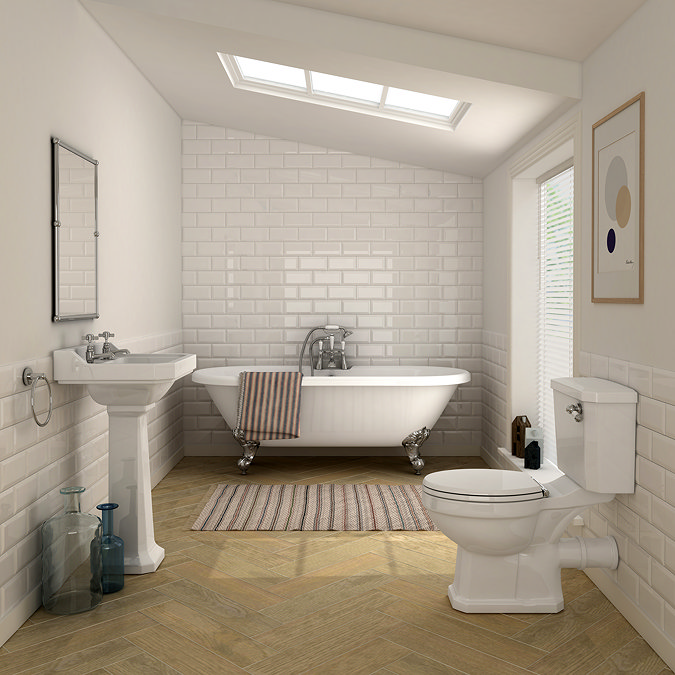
(28, 377)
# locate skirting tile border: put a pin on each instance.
(652, 634)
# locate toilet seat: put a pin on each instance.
(486, 486)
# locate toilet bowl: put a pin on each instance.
(509, 551)
(508, 526)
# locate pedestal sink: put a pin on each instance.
(129, 386)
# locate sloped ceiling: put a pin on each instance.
(518, 62)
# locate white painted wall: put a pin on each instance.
(638, 57)
(496, 242)
(62, 76)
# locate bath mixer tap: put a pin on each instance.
(329, 355)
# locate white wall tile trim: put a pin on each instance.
(36, 462)
(279, 237)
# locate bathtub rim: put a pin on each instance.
(358, 376)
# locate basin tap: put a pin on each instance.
(90, 338)
(106, 344)
(109, 347)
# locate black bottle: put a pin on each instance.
(532, 456)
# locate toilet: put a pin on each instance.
(508, 524)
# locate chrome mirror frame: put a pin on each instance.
(58, 313)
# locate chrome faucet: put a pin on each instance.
(90, 338)
(108, 352)
(331, 358)
(109, 347)
(90, 355)
(106, 345)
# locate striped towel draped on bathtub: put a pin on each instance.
(269, 405)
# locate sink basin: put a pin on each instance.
(130, 379)
(129, 386)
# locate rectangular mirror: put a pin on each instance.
(75, 233)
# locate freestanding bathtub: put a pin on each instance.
(365, 406)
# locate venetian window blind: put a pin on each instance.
(556, 291)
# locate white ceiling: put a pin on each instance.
(518, 62)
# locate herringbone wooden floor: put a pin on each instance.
(349, 603)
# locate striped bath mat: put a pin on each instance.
(314, 507)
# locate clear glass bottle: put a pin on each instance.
(71, 558)
(112, 552)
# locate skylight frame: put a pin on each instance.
(309, 95)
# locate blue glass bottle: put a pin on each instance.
(71, 558)
(112, 552)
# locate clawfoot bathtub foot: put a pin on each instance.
(249, 448)
(412, 444)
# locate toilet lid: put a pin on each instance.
(482, 485)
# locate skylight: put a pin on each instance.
(273, 73)
(343, 87)
(343, 92)
(421, 103)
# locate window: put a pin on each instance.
(271, 73)
(556, 292)
(421, 103)
(343, 92)
(346, 88)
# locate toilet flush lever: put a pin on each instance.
(576, 411)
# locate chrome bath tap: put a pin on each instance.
(331, 357)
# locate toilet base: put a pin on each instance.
(522, 582)
(526, 582)
(549, 605)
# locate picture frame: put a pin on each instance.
(618, 205)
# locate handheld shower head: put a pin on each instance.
(332, 327)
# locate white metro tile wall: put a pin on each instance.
(35, 462)
(495, 408)
(279, 237)
(644, 523)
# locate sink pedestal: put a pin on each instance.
(129, 486)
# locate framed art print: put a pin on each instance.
(618, 205)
